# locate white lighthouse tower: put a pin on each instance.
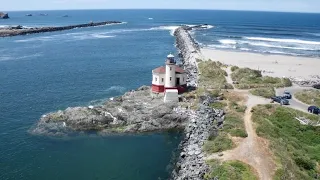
(170, 81)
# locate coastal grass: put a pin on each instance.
(267, 92)
(295, 146)
(233, 125)
(218, 143)
(230, 170)
(212, 76)
(311, 97)
(234, 122)
(247, 78)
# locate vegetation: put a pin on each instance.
(249, 78)
(233, 125)
(218, 143)
(311, 97)
(267, 92)
(230, 170)
(296, 146)
(233, 68)
(212, 76)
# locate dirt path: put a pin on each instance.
(252, 150)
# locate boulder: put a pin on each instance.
(4, 15)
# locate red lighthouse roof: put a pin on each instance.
(162, 70)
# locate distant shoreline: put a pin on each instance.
(19, 30)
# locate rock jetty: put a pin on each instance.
(14, 32)
(4, 15)
(189, 52)
(135, 111)
(191, 164)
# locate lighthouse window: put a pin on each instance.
(156, 79)
(162, 80)
(170, 78)
(170, 68)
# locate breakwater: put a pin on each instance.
(191, 163)
(19, 30)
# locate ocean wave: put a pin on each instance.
(298, 41)
(277, 45)
(91, 36)
(227, 41)
(43, 38)
(215, 46)
(173, 28)
(262, 44)
(315, 34)
(170, 28)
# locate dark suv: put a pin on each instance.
(314, 110)
(287, 95)
(280, 99)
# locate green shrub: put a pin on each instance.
(233, 68)
(249, 78)
(212, 76)
(264, 92)
(239, 133)
(311, 96)
(218, 144)
(305, 163)
(218, 105)
(230, 170)
(295, 146)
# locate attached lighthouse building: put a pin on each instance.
(170, 76)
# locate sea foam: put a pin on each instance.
(298, 41)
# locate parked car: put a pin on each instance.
(280, 99)
(313, 110)
(287, 95)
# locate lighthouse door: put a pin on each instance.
(178, 82)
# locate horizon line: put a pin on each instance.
(240, 10)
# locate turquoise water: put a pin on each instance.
(46, 72)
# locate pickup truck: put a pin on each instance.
(280, 99)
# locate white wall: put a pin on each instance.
(157, 79)
(170, 80)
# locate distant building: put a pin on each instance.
(169, 76)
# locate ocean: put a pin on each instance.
(41, 73)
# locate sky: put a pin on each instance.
(255, 5)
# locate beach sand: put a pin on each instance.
(300, 68)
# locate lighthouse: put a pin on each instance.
(169, 77)
(170, 72)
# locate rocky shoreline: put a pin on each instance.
(19, 30)
(136, 111)
(191, 163)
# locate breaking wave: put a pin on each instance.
(169, 28)
(298, 41)
(228, 41)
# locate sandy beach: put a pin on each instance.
(300, 68)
